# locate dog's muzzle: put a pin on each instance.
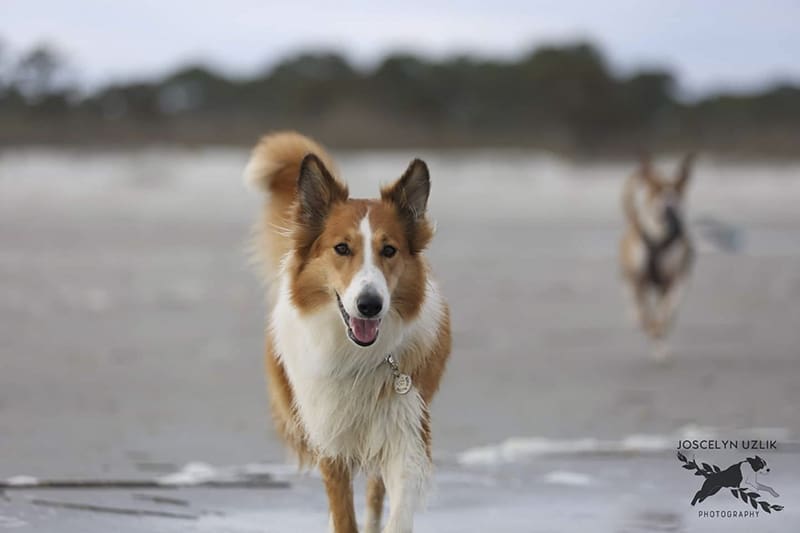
(363, 331)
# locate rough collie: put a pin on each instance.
(656, 252)
(358, 333)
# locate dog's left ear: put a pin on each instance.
(684, 173)
(410, 195)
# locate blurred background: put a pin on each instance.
(561, 76)
(131, 326)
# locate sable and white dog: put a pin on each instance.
(358, 334)
(656, 253)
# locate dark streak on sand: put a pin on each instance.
(165, 500)
(113, 510)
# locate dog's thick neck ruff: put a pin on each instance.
(346, 394)
(356, 332)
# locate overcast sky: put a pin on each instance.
(709, 44)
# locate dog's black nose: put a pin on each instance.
(369, 304)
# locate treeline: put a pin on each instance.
(562, 98)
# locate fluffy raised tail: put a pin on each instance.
(273, 168)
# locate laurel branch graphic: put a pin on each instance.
(747, 496)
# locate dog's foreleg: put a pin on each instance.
(375, 495)
(642, 306)
(407, 465)
(339, 486)
(667, 308)
(405, 478)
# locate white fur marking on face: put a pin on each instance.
(369, 277)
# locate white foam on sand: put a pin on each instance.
(9, 522)
(196, 473)
(573, 479)
(517, 449)
(192, 474)
(22, 481)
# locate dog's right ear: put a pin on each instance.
(645, 170)
(317, 191)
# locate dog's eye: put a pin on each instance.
(388, 251)
(342, 249)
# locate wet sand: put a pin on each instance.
(131, 339)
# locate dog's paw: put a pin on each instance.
(661, 351)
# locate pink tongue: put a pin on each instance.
(364, 330)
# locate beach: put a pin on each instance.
(131, 344)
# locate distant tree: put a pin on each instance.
(405, 83)
(646, 98)
(307, 85)
(571, 87)
(313, 67)
(561, 97)
(37, 72)
(136, 101)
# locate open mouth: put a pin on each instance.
(362, 331)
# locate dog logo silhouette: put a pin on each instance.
(741, 478)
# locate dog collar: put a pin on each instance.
(402, 382)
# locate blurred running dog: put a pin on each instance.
(358, 334)
(656, 253)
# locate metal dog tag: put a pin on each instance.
(402, 383)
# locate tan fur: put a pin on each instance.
(284, 414)
(338, 480)
(273, 168)
(287, 238)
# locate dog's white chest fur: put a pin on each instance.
(342, 391)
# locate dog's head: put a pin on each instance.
(758, 465)
(363, 254)
(662, 204)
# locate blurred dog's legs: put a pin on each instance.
(667, 307)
